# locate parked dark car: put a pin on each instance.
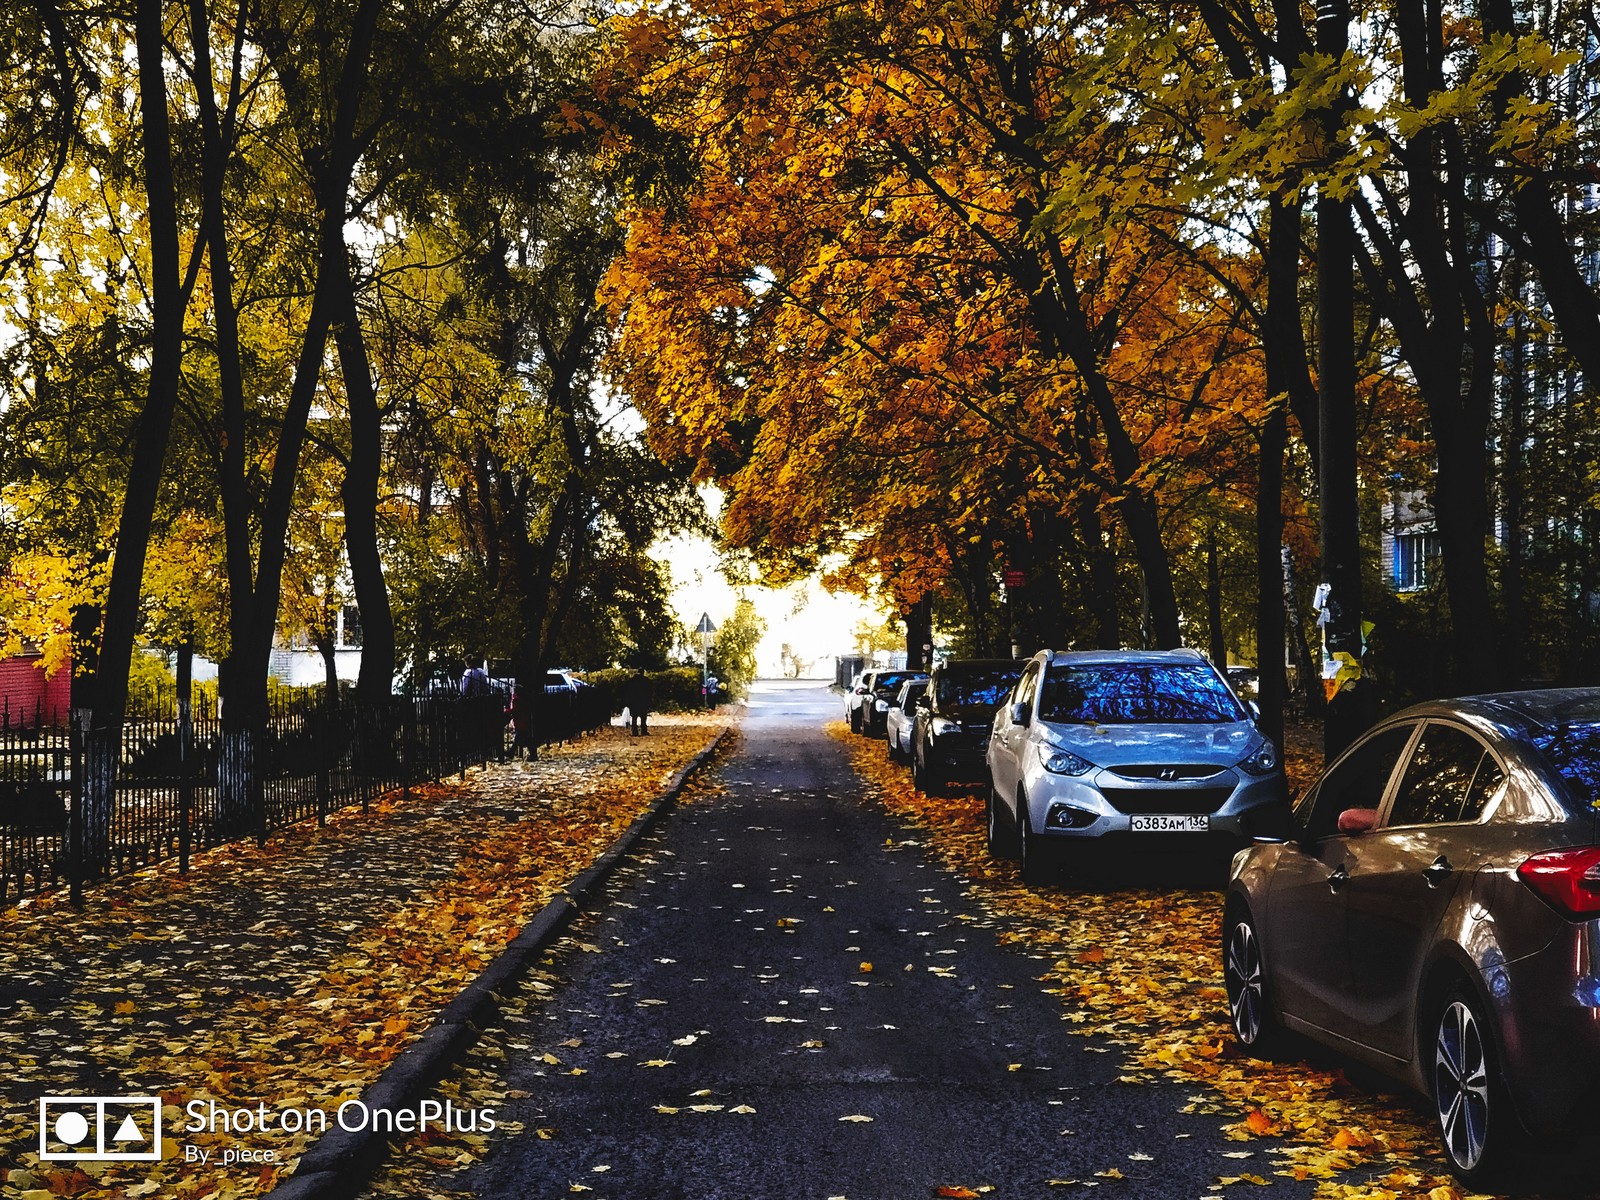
(882, 688)
(1435, 913)
(953, 718)
(1145, 748)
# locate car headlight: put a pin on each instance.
(883, 706)
(1063, 762)
(943, 726)
(1263, 760)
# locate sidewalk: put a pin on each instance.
(290, 976)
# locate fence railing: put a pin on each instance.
(172, 781)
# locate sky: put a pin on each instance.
(816, 623)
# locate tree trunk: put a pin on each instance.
(1283, 343)
(1305, 666)
(1343, 719)
(360, 493)
(1461, 512)
(1102, 581)
(919, 635)
(331, 161)
(168, 299)
(1270, 631)
(1219, 638)
(1511, 483)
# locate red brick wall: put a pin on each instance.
(24, 690)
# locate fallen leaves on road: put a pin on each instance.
(1143, 967)
(291, 974)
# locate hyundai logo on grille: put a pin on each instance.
(1168, 774)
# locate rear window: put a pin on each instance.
(1574, 752)
(1137, 694)
(974, 688)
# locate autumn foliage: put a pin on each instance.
(292, 975)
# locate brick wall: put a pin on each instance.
(25, 691)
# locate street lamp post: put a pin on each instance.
(706, 630)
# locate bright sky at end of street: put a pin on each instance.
(816, 624)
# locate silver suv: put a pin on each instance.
(1150, 746)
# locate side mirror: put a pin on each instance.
(1255, 709)
(1019, 713)
(1274, 824)
(1358, 820)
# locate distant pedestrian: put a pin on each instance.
(521, 715)
(475, 680)
(637, 694)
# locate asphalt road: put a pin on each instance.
(731, 972)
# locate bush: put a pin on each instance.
(677, 689)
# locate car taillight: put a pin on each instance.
(1567, 880)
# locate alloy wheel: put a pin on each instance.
(1461, 1084)
(1242, 975)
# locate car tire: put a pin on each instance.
(1244, 974)
(1000, 830)
(923, 777)
(1041, 862)
(889, 750)
(1475, 1120)
(855, 720)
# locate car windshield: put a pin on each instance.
(976, 688)
(1574, 751)
(888, 683)
(1137, 694)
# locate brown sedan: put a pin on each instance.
(1435, 913)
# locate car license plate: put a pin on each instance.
(1169, 823)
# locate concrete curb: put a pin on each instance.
(340, 1160)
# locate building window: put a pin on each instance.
(1415, 552)
(350, 628)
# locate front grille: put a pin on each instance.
(1168, 771)
(1167, 800)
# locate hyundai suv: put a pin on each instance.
(1151, 746)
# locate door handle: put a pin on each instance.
(1338, 879)
(1438, 871)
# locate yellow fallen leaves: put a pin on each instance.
(856, 1118)
(320, 955)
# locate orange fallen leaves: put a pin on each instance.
(1143, 968)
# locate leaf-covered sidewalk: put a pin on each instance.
(292, 974)
(1142, 967)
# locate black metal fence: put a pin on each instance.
(172, 781)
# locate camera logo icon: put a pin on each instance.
(100, 1128)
